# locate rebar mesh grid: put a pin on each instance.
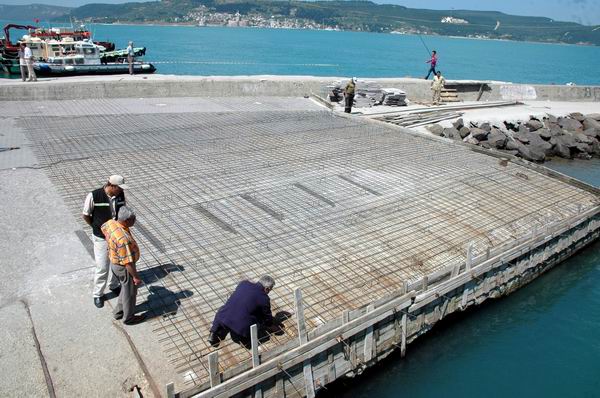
(342, 208)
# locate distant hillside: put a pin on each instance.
(31, 11)
(346, 15)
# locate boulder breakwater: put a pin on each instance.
(535, 139)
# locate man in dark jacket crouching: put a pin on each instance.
(248, 305)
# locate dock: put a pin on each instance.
(373, 232)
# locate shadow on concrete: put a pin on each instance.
(162, 302)
(151, 275)
(154, 274)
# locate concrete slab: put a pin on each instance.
(225, 189)
(21, 372)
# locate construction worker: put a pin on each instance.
(248, 305)
(437, 85)
(349, 94)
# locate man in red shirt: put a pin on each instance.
(433, 62)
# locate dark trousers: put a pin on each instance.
(126, 302)
(222, 331)
(349, 101)
(432, 69)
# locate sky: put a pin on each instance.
(586, 12)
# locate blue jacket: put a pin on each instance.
(248, 305)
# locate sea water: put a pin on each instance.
(192, 50)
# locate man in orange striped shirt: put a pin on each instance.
(123, 253)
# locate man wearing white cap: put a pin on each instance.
(100, 206)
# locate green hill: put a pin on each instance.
(31, 11)
(351, 15)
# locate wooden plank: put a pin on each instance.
(331, 375)
(254, 345)
(171, 390)
(299, 307)
(403, 342)
(303, 337)
(469, 256)
(279, 387)
(368, 346)
(213, 369)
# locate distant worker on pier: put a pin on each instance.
(349, 95)
(124, 254)
(248, 305)
(437, 86)
(101, 205)
(22, 63)
(433, 63)
(28, 55)
(130, 53)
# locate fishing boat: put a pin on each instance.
(67, 53)
(69, 58)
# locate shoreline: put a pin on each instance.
(395, 33)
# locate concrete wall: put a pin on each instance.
(236, 86)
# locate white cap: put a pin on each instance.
(118, 181)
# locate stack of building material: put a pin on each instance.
(368, 93)
(394, 97)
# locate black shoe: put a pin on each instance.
(116, 291)
(214, 340)
(135, 320)
(118, 315)
(98, 302)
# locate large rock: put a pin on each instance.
(522, 136)
(537, 143)
(458, 124)
(534, 124)
(436, 129)
(565, 139)
(593, 133)
(569, 124)
(479, 134)
(464, 131)
(471, 140)
(544, 133)
(590, 123)
(533, 154)
(523, 129)
(580, 137)
(512, 144)
(577, 116)
(562, 150)
(486, 127)
(583, 155)
(596, 147)
(595, 116)
(583, 147)
(497, 139)
(551, 118)
(555, 130)
(452, 133)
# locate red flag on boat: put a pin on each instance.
(37, 20)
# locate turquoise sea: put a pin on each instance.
(187, 50)
(542, 341)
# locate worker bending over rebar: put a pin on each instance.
(248, 305)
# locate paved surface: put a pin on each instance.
(228, 189)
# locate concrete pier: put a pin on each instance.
(157, 86)
(372, 232)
